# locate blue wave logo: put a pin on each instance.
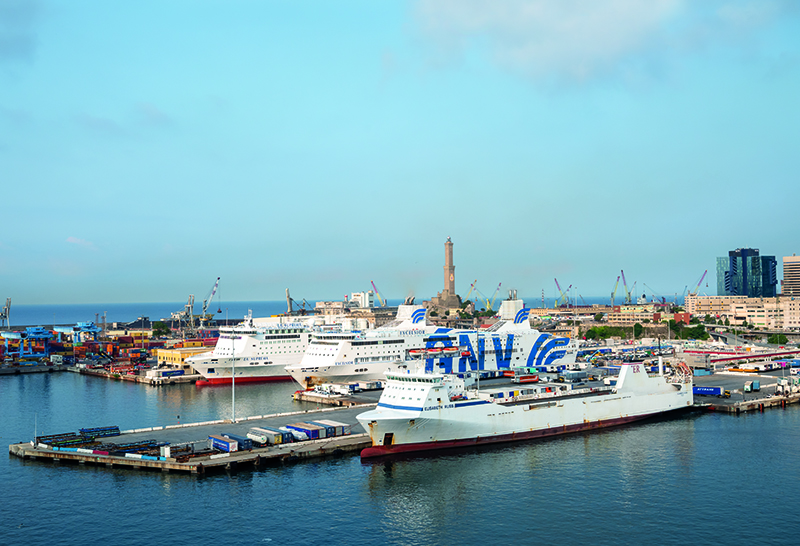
(418, 316)
(521, 316)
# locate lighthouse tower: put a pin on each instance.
(449, 269)
(447, 298)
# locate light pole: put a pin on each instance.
(233, 379)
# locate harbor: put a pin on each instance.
(188, 445)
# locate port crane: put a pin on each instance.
(205, 316)
(378, 294)
(614, 292)
(185, 317)
(497, 291)
(655, 294)
(697, 288)
(563, 297)
(292, 303)
(562, 294)
(5, 313)
(625, 286)
(471, 287)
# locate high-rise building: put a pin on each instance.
(791, 275)
(745, 273)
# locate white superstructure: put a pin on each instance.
(260, 349)
(420, 411)
(346, 357)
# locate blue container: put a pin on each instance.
(244, 443)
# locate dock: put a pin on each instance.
(33, 368)
(136, 378)
(194, 434)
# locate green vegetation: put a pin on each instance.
(605, 332)
(599, 317)
(160, 329)
(778, 339)
(637, 330)
(681, 331)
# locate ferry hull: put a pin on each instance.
(435, 446)
(425, 412)
(228, 381)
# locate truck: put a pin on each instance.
(719, 392)
(524, 374)
(244, 444)
(222, 444)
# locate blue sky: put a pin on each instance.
(147, 148)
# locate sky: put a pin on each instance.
(147, 148)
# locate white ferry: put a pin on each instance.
(347, 357)
(423, 411)
(260, 349)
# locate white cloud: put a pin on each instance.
(80, 242)
(580, 39)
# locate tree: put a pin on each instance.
(777, 339)
(637, 330)
(598, 317)
(160, 329)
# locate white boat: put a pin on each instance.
(260, 349)
(424, 411)
(347, 357)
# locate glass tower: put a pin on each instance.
(744, 273)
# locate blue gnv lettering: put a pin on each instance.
(503, 357)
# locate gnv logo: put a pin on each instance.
(521, 316)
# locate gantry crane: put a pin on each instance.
(5, 313)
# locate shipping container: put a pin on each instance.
(748, 386)
(719, 392)
(314, 431)
(288, 437)
(330, 431)
(244, 444)
(756, 385)
(341, 428)
(222, 444)
(297, 434)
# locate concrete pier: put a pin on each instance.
(197, 433)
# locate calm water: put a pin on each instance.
(47, 314)
(700, 479)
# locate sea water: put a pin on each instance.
(703, 478)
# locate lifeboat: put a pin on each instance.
(450, 350)
(465, 353)
(416, 352)
(435, 351)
